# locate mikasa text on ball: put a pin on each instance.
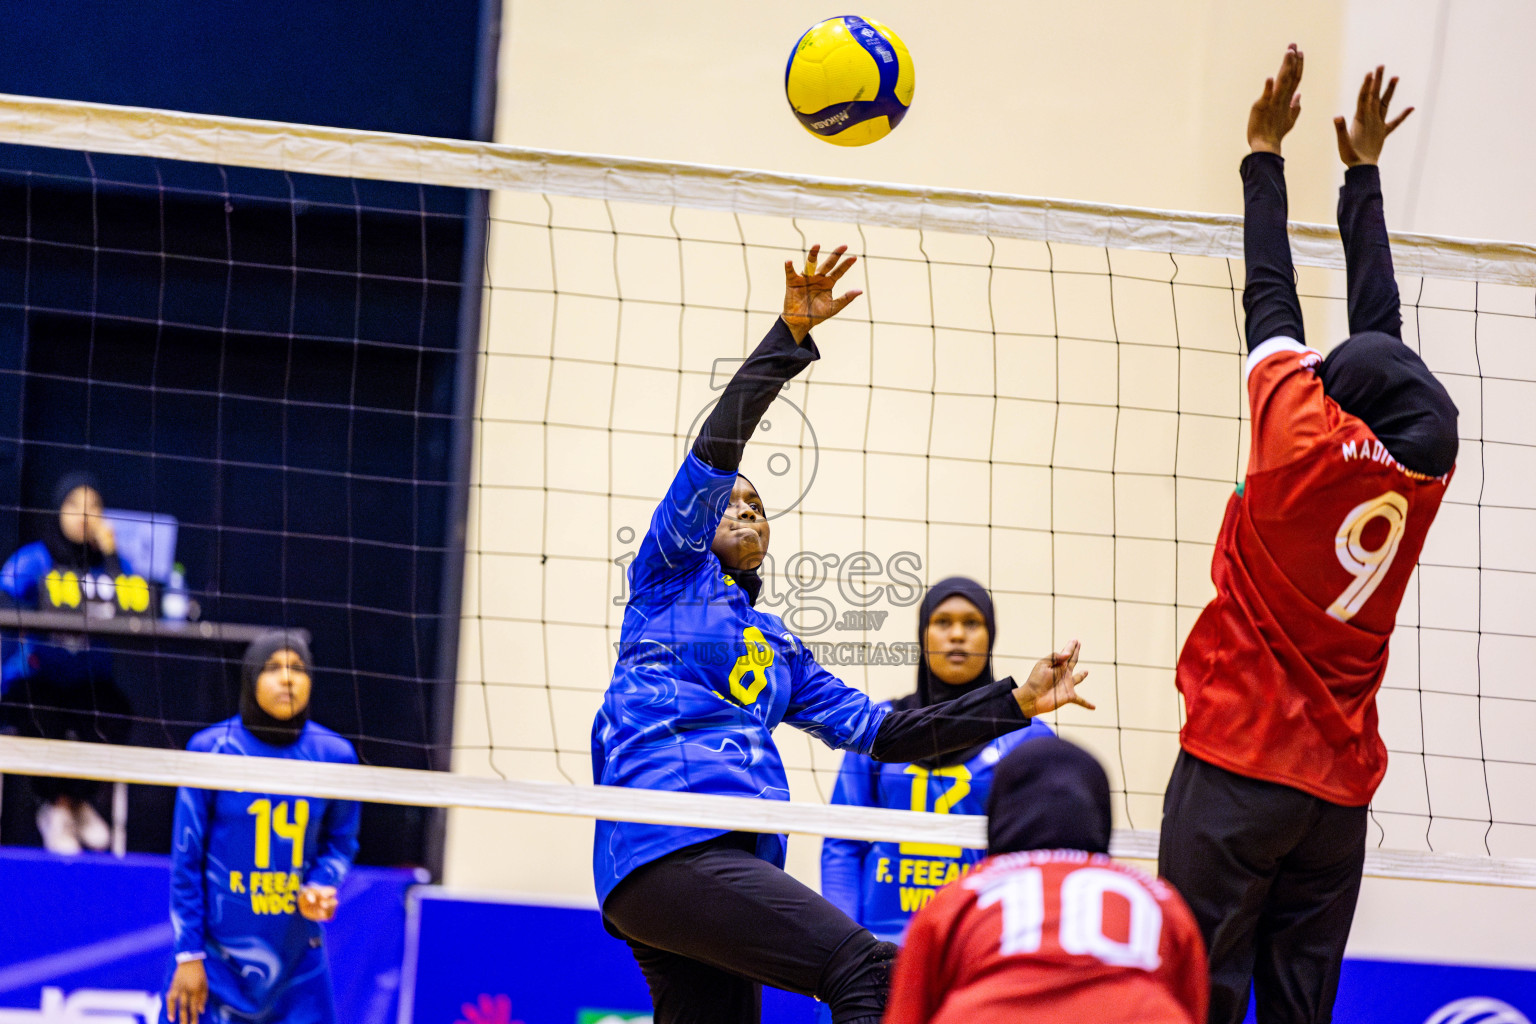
(849, 80)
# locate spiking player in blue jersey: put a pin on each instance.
(254, 874)
(702, 679)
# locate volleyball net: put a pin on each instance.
(1046, 396)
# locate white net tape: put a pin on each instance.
(439, 789)
(240, 142)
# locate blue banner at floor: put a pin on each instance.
(88, 938)
(485, 961)
(1385, 992)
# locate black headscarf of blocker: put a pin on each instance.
(1377, 378)
(1048, 794)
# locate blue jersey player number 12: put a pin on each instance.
(881, 884)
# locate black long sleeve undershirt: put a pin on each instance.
(977, 717)
(1373, 375)
(749, 394)
(1374, 304)
(1270, 302)
(1269, 297)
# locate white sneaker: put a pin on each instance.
(57, 825)
(91, 827)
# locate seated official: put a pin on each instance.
(60, 686)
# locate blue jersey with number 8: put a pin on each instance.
(701, 681)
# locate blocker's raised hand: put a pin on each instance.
(1361, 141)
(808, 298)
(1274, 113)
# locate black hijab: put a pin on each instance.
(1048, 794)
(276, 731)
(1382, 381)
(66, 554)
(932, 690)
(747, 579)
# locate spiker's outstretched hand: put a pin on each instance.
(1274, 113)
(1360, 142)
(808, 298)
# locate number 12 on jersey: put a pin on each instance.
(1080, 930)
(943, 805)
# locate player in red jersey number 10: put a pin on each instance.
(1048, 929)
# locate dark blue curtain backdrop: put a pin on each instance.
(273, 359)
(385, 65)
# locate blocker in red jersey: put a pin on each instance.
(1264, 817)
(1310, 566)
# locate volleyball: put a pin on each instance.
(849, 80)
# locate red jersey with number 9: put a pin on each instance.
(1280, 672)
(1052, 937)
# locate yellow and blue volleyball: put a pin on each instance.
(849, 80)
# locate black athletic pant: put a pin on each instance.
(1272, 875)
(711, 923)
(1269, 296)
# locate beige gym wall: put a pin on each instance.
(1128, 103)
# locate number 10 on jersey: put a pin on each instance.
(1080, 930)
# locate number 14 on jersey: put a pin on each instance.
(269, 821)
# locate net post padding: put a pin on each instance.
(26, 756)
(308, 149)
